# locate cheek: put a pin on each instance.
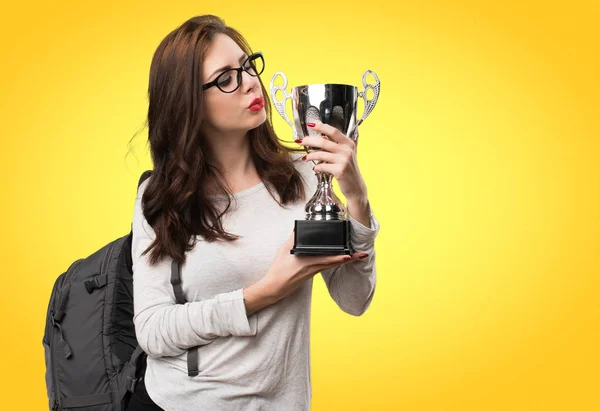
(218, 109)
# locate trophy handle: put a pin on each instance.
(280, 105)
(369, 104)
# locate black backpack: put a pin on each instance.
(93, 360)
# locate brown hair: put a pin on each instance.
(175, 201)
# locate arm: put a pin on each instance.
(164, 328)
(352, 285)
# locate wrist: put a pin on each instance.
(259, 295)
(360, 200)
(359, 196)
(268, 289)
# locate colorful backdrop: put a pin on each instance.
(481, 160)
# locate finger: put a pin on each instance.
(289, 242)
(359, 256)
(345, 259)
(333, 169)
(332, 132)
(323, 156)
(324, 260)
(334, 264)
(322, 143)
(338, 259)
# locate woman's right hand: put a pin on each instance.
(287, 272)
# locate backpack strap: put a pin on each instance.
(192, 355)
(176, 282)
(144, 176)
(129, 378)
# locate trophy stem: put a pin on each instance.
(325, 179)
(325, 204)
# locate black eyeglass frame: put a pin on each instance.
(239, 70)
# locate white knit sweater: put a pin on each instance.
(260, 362)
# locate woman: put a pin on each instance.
(222, 201)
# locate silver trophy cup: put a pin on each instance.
(325, 231)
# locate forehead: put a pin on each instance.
(221, 52)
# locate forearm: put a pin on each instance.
(165, 329)
(258, 296)
(352, 285)
(359, 209)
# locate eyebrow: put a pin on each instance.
(227, 67)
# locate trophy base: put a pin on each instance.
(322, 237)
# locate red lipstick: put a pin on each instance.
(256, 104)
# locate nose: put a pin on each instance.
(249, 83)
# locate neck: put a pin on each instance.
(230, 153)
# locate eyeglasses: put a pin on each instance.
(253, 65)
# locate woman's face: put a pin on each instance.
(230, 111)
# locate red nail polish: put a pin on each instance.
(304, 158)
(347, 258)
(299, 141)
(310, 124)
(363, 255)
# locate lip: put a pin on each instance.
(256, 104)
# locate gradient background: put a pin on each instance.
(481, 159)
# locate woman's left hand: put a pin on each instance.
(339, 156)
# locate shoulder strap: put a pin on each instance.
(192, 355)
(129, 378)
(192, 362)
(176, 282)
(144, 176)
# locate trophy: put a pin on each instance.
(325, 230)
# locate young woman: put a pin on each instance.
(222, 201)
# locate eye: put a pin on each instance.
(250, 67)
(225, 80)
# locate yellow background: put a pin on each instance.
(481, 159)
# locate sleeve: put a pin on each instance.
(163, 327)
(352, 285)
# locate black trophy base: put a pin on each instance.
(322, 237)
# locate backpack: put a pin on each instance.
(93, 360)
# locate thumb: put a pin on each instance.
(290, 240)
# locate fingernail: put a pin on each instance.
(304, 158)
(347, 258)
(310, 124)
(299, 141)
(363, 255)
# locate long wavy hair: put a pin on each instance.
(175, 202)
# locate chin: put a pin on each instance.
(259, 119)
